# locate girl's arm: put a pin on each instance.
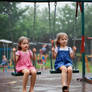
(33, 57)
(15, 57)
(72, 54)
(54, 54)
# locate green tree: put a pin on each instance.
(10, 12)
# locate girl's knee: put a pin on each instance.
(27, 72)
(63, 69)
(69, 69)
(33, 72)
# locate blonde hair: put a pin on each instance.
(21, 40)
(58, 36)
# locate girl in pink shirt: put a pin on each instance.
(23, 59)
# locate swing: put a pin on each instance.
(53, 71)
(20, 73)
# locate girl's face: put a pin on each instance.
(24, 45)
(4, 57)
(63, 41)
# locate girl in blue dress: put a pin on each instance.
(64, 56)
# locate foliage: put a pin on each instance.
(20, 21)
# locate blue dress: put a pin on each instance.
(63, 58)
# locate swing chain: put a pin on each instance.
(54, 22)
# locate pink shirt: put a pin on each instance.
(24, 61)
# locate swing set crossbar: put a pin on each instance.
(47, 0)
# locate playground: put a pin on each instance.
(41, 27)
(45, 82)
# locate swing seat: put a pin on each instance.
(75, 71)
(17, 74)
(21, 74)
(58, 71)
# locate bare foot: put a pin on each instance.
(31, 90)
(25, 90)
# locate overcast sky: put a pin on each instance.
(42, 5)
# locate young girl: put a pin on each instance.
(23, 62)
(4, 61)
(64, 55)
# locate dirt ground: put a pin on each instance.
(45, 82)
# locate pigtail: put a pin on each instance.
(57, 44)
(19, 48)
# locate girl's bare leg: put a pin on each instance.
(33, 79)
(25, 79)
(63, 75)
(69, 76)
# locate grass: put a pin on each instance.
(47, 65)
(80, 67)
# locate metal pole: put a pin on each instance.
(4, 48)
(83, 42)
(51, 63)
(54, 22)
(7, 51)
(49, 19)
(34, 23)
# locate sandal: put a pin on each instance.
(65, 89)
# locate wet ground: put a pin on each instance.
(46, 82)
